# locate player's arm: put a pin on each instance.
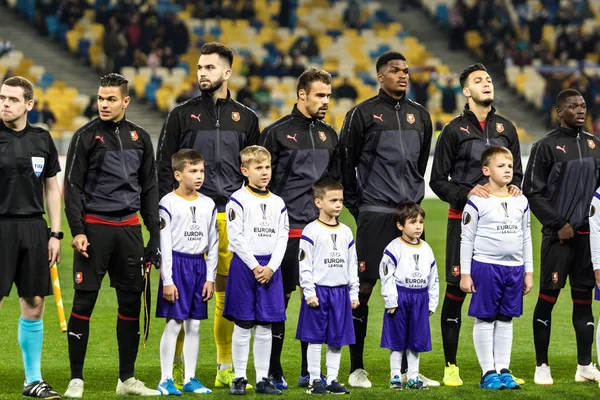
(443, 159)
(149, 202)
(53, 201)
(515, 149)
(252, 137)
(469, 224)
(168, 144)
(170, 292)
(594, 218)
(350, 147)
(527, 251)
(235, 233)
(433, 286)
(426, 146)
(268, 140)
(283, 230)
(212, 257)
(305, 262)
(334, 168)
(387, 268)
(353, 273)
(75, 177)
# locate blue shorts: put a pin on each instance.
(499, 290)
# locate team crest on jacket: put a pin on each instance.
(410, 118)
(235, 116)
(322, 136)
(38, 165)
(134, 136)
(591, 144)
(555, 277)
(362, 266)
(456, 270)
(466, 218)
(500, 127)
(78, 277)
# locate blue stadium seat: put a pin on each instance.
(45, 81)
(62, 32)
(84, 48)
(216, 31)
(199, 31)
(52, 25)
(184, 65)
(151, 88)
(256, 24)
(334, 33)
(442, 14)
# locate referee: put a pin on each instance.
(28, 168)
(110, 176)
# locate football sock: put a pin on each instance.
(542, 324)
(240, 347)
(451, 321)
(314, 361)
(483, 339)
(128, 331)
(278, 335)
(396, 358)
(503, 336)
(191, 346)
(404, 368)
(168, 341)
(79, 329)
(223, 329)
(333, 355)
(583, 322)
(262, 351)
(413, 364)
(304, 349)
(360, 318)
(31, 337)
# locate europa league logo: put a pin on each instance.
(416, 258)
(193, 211)
(505, 207)
(263, 208)
(333, 237)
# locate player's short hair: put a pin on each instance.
(23, 83)
(464, 76)
(116, 80)
(312, 75)
(564, 95)
(387, 57)
(324, 185)
(254, 154)
(493, 151)
(406, 211)
(218, 48)
(183, 157)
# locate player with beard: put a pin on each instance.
(218, 127)
(456, 175)
(303, 150)
(384, 148)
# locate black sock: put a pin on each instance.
(128, 331)
(78, 334)
(304, 348)
(583, 322)
(360, 317)
(451, 320)
(278, 334)
(542, 324)
(404, 366)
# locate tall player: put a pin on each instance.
(384, 148)
(218, 127)
(303, 149)
(456, 175)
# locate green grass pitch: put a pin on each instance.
(101, 369)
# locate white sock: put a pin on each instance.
(395, 364)
(240, 347)
(503, 336)
(221, 367)
(333, 356)
(483, 339)
(191, 346)
(262, 351)
(168, 342)
(313, 358)
(412, 359)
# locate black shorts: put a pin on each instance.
(116, 249)
(374, 231)
(453, 231)
(572, 258)
(290, 266)
(24, 257)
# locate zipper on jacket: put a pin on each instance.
(122, 158)
(312, 141)
(487, 136)
(218, 150)
(397, 107)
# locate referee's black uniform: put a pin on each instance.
(27, 159)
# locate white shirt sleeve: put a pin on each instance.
(527, 247)
(433, 285)
(212, 256)
(166, 245)
(387, 267)
(469, 223)
(235, 233)
(282, 238)
(307, 248)
(353, 271)
(594, 217)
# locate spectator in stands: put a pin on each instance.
(352, 14)
(134, 31)
(114, 42)
(149, 28)
(249, 66)
(91, 110)
(33, 116)
(595, 113)
(169, 60)
(70, 12)
(537, 20)
(297, 67)
(247, 12)
(419, 83)
(246, 97)
(139, 59)
(228, 10)
(177, 35)
(154, 58)
(262, 97)
(449, 91)
(185, 95)
(456, 18)
(102, 14)
(215, 10)
(122, 59)
(305, 46)
(346, 90)
(48, 117)
(284, 13)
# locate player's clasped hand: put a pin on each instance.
(208, 290)
(481, 191)
(262, 274)
(565, 233)
(312, 301)
(80, 243)
(466, 283)
(170, 293)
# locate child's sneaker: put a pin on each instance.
(194, 386)
(316, 387)
(167, 388)
(491, 381)
(279, 381)
(266, 387)
(509, 381)
(336, 388)
(238, 387)
(416, 384)
(451, 376)
(396, 383)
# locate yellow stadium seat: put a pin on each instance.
(98, 31)
(139, 85)
(520, 83)
(96, 55)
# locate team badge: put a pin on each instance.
(385, 269)
(301, 255)
(231, 214)
(134, 136)
(78, 277)
(456, 270)
(500, 127)
(235, 116)
(591, 144)
(555, 277)
(410, 118)
(322, 136)
(163, 223)
(592, 211)
(466, 218)
(362, 266)
(38, 165)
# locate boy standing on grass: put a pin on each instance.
(410, 289)
(497, 267)
(257, 227)
(188, 233)
(329, 278)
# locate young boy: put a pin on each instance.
(188, 233)
(329, 278)
(594, 219)
(257, 227)
(410, 289)
(497, 267)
